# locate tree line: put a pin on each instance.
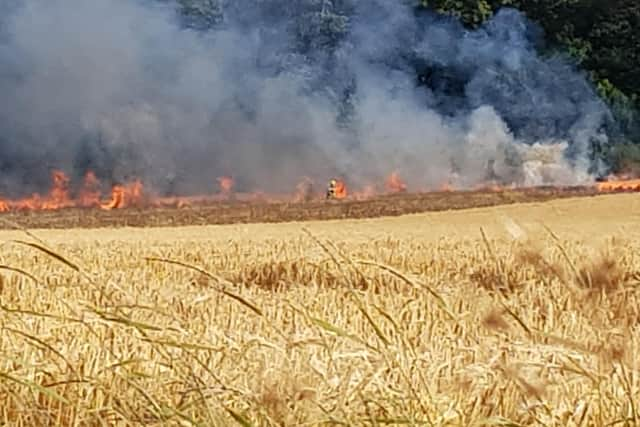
(602, 37)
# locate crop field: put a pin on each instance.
(521, 314)
(252, 209)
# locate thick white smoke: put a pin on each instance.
(119, 87)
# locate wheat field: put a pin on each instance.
(516, 315)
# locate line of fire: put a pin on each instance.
(133, 194)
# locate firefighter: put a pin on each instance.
(331, 190)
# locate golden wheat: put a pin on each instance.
(516, 315)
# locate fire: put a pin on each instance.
(117, 198)
(59, 193)
(446, 186)
(90, 192)
(123, 196)
(132, 194)
(395, 184)
(619, 185)
(226, 184)
(59, 196)
(340, 189)
(496, 188)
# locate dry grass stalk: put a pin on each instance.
(226, 327)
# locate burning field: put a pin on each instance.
(525, 314)
(89, 205)
(136, 111)
(511, 315)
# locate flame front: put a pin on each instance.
(395, 184)
(59, 194)
(340, 191)
(446, 187)
(132, 194)
(90, 192)
(57, 198)
(123, 196)
(88, 196)
(619, 185)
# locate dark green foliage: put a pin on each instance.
(626, 110)
(471, 12)
(601, 36)
(624, 158)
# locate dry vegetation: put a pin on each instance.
(513, 315)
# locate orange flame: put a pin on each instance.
(496, 188)
(395, 184)
(117, 198)
(446, 187)
(123, 196)
(619, 185)
(90, 192)
(226, 184)
(340, 191)
(59, 193)
(131, 194)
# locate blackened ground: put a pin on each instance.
(256, 212)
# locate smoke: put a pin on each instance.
(274, 90)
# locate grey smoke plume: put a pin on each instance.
(277, 90)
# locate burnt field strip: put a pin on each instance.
(257, 212)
